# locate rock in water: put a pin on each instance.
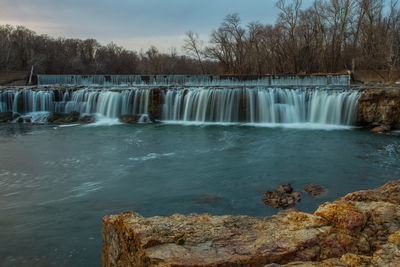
(71, 117)
(6, 116)
(381, 129)
(130, 118)
(282, 197)
(87, 119)
(60, 118)
(314, 189)
(360, 229)
(285, 188)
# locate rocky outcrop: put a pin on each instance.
(360, 229)
(379, 107)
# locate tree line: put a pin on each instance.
(328, 36)
(21, 48)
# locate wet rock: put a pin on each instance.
(285, 188)
(296, 196)
(55, 116)
(71, 117)
(381, 129)
(60, 118)
(36, 123)
(314, 190)
(282, 197)
(6, 116)
(360, 229)
(130, 118)
(87, 119)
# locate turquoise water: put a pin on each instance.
(56, 183)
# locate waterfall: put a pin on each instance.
(256, 105)
(196, 80)
(262, 105)
(108, 103)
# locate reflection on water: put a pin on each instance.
(56, 183)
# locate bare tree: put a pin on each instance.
(193, 46)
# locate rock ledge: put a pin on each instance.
(360, 229)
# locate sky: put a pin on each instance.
(133, 24)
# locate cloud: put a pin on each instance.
(131, 22)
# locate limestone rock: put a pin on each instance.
(379, 106)
(360, 229)
(342, 214)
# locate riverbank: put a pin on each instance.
(362, 228)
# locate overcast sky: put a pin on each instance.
(134, 24)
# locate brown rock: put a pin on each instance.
(297, 196)
(342, 214)
(361, 229)
(314, 190)
(379, 106)
(87, 119)
(130, 118)
(381, 129)
(285, 188)
(282, 197)
(60, 118)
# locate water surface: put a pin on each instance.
(56, 183)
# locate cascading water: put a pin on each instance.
(86, 101)
(255, 105)
(197, 80)
(263, 105)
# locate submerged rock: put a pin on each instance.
(60, 118)
(87, 119)
(6, 116)
(360, 229)
(314, 189)
(282, 197)
(130, 118)
(381, 129)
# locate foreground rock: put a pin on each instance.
(360, 229)
(282, 197)
(314, 189)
